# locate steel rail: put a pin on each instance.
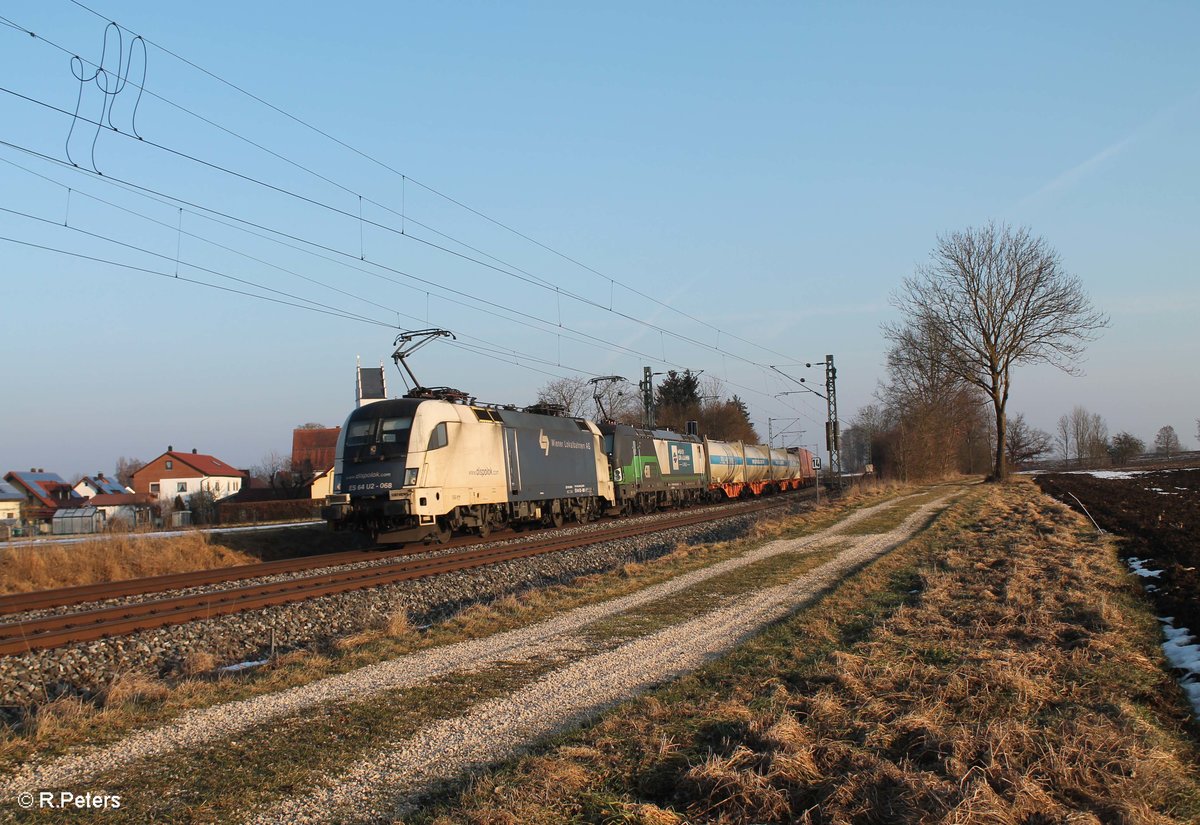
(82, 626)
(83, 593)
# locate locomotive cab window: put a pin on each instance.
(438, 438)
(394, 429)
(359, 433)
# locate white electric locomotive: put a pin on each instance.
(414, 469)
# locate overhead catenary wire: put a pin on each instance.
(483, 346)
(505, 355)
(612, 346)
(405, 178)
(352, 216)
(498, 355)
(349, 260)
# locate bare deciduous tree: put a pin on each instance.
(577, 397)
(993, 298)
(1166, 442)
(1026, 442)
(276, 470)
(1063, 437)
(126, 467)
(1126, 447)
(935, 411)
(1089, 436)
(572, 394)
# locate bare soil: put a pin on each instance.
(1158, 515)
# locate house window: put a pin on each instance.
(154, 488)
(170, 464)
(181, 487)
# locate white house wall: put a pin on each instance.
(220, 486)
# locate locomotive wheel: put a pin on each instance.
(443, 532)
(556, 519)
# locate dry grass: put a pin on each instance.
(387, 638)
(997, 670)
(133, 687)
(199, 662)
(23, 569)
(398, 624)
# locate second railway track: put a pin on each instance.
(88, 625)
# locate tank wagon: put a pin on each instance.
(419, 468)
(736, 468)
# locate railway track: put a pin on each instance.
(82, 594)
(88, 625)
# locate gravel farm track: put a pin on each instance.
(1157, 514)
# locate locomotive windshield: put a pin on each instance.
(379, 431)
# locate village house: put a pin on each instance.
(44, 493)
(99, 484)
(10, 503)
(180, 474)
(313, 453)
(129, 510)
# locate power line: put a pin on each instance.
(96, 259)
(427, 187)
(606, 344)
(483, 347)
(316, 203)
(352, 261)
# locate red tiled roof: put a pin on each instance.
(206, 464)
(314, 447)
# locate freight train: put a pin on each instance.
(420, 468)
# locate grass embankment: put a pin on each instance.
(137, 700)
(112, 558)
(120, 556)
(999, 668)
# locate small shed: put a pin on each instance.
(69, 521)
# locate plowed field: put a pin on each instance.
(1158, 513)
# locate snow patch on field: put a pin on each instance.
(1183, 654)
(1138, 566)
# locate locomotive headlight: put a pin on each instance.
(410, 477)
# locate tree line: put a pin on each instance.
(679, 398)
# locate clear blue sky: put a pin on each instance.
(773, 170)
